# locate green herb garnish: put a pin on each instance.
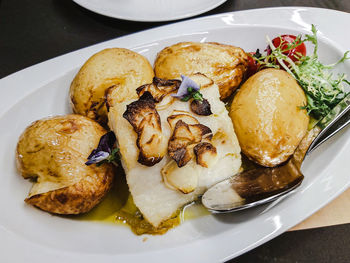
(112, 158)
(192, 93)
(322, 88)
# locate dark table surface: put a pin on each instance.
(34, 31)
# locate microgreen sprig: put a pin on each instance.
(113, 157)
(323, 90)
(188, 89)
(192, 93)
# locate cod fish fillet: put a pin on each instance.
(170, 154)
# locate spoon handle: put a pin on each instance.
(338, 126)
(258, 186)
(304, 146)
(331, 121)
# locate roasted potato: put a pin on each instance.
(120, 69)
(267, 116)
(53, 152)
(224, 64)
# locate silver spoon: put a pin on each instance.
(262, 185)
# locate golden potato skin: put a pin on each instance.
(75, 199)
(267, 117)
(53, 152)
(224, 64)
(121, 68)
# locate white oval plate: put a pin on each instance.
(27, 233)
(149, 10)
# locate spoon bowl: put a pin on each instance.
(262, 185)
(252, 188)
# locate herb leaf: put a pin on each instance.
(113, 157)
(188, 90)
(323, 90)
(191, 93)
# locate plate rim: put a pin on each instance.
(84, 4)
(39, 67)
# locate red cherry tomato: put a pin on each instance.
(253, 66)
(283, 41)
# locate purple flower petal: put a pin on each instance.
(185, 84)
(97, 157)
(103, 149)
(106, 142)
